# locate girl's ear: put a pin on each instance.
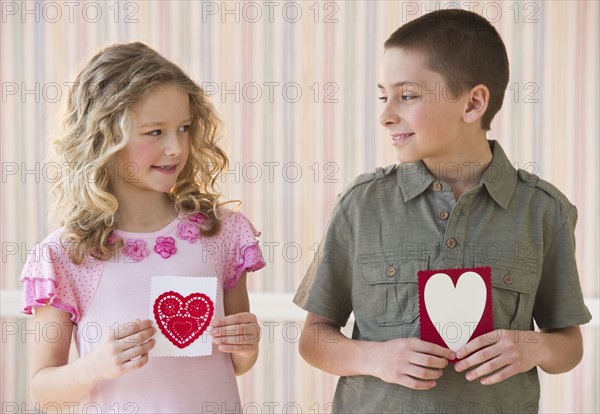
(479, 97)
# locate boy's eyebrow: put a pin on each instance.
(159, 123)
(398, 84)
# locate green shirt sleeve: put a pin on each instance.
(326, 289)
(559, 300)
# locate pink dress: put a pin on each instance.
(101, 294)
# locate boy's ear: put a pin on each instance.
(479, 97)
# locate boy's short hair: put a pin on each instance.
(461, 46)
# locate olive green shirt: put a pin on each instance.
(388, 225)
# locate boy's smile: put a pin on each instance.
(399, 139)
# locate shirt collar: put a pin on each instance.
(413, 178)
(500, 178)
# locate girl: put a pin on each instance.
(138, 199)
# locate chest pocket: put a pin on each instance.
(391, 288)
(513, 294)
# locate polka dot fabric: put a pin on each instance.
(49, 277)
(247, 257)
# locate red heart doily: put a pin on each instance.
(183, 319)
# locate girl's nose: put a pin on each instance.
(173, 145)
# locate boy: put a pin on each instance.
(454, 201)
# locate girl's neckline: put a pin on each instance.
(147, 235)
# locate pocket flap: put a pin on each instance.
(389, 268)
(513, 276)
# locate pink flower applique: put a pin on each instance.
(135, 249)
(165, 246)
(112, 239)
(187, 230)
(197, 218)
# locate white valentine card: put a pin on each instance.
(182, 308)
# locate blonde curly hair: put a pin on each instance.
(95, 127)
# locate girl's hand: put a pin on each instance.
(122, 350)
(410, 362)
(238, 333)
(502, 353)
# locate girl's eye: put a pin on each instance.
(184, 128)
(383, 98)
(154, 133)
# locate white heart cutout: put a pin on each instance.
(455, 311)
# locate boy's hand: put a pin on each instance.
(410, 362)
(238, 333)
(502, 353)
(121, 350)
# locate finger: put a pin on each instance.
(129, 328)
(137, 351)
(236, 318)
(136, 363)
(423, 373)
(433, 349)
(479, 356)
(487, 368)
(428, 361)
(245, 329)
(236, 333)
(223, 330)
(242, 348)
(416, 384)
(498, 376)
(138, 338)
(478, 343)
(236, 339)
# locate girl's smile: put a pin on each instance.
(165, 169)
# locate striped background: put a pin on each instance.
(294, 83)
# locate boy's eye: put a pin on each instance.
(404, 98)
(184, 128)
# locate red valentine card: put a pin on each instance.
(455, 305)
(182, 308)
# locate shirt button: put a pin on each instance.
(390, 271)
(508, 279)
(443, 214)
(437, 186)
(451, 243)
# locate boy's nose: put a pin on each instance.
(388, 116)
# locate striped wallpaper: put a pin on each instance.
(294, 82)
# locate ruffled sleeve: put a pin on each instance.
(49, 278)
(244, 253)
